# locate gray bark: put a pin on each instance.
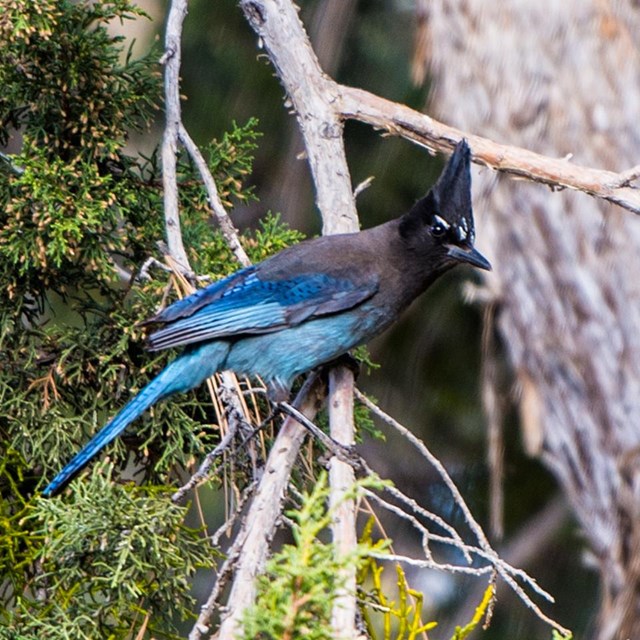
(562, 78)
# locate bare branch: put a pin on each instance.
(229, 231)
(313, 96)
(397, 119)
(485, 551)
(171, 61)
(310, 91)
(342, 478)
(252, 542)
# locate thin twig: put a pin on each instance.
(336, 448)
(203, 470)
(456, 540)
(362, 186)
(227, 228)
(246, 495)
(468, 550)
(430, 564)
(143, 274)
(625, 178)
(426, 453)
(485, 550)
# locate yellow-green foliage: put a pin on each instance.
(385, 618)
(482, 611)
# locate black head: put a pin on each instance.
(440, 225)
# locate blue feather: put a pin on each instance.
(183, 374)
(250, 305)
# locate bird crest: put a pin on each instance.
(446, 210)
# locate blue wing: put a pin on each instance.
(245, 304)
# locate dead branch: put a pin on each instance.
(227, 228)
(341, 480)
(309, 89)
(171, 61)
(312, 95)
(557, 173)
(252, 542)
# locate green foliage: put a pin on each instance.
(55, 214)
(63, 82)
(66, 209)
(298, 588)
(78, 218)
(132, 543)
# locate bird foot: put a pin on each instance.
(277, 392)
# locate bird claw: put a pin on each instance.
(277, 392)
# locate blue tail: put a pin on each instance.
(184, 373)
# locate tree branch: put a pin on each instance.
(171, 62)
(397, 119)
(229, 231)
(341, 479)
(312, 95)
(252, 542)
(310, 91)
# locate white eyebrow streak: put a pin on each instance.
(462, 231)
(443, 222)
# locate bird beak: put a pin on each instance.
(472, 256)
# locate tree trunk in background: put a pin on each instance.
(562, 78)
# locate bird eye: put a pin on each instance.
(438, 230)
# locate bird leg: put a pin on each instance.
(345, 360)
(342, 452)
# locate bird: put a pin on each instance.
(306, 305)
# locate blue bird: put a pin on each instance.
(306, 305)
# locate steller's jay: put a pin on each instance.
(306, 305)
